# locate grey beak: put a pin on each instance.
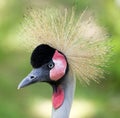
(34, 76)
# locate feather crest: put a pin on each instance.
(82, 41)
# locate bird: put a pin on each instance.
(64, 48)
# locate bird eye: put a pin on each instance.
(51, 65)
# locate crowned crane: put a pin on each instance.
(66, 49)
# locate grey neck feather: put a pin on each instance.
(69, 88)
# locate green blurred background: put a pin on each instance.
(101, 100)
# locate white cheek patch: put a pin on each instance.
(60, 66)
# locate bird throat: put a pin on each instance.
(58, 96)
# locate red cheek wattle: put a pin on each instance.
(60, 66)
(58, 97)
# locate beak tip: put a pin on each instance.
(18, 87)
(22, 84)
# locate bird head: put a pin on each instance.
(49, 65)
(80, 47)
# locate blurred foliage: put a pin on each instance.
(10, 13)
(14, 63)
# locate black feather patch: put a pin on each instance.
(41, 54)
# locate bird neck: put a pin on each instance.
(68, 86)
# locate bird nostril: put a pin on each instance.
(32, 77)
